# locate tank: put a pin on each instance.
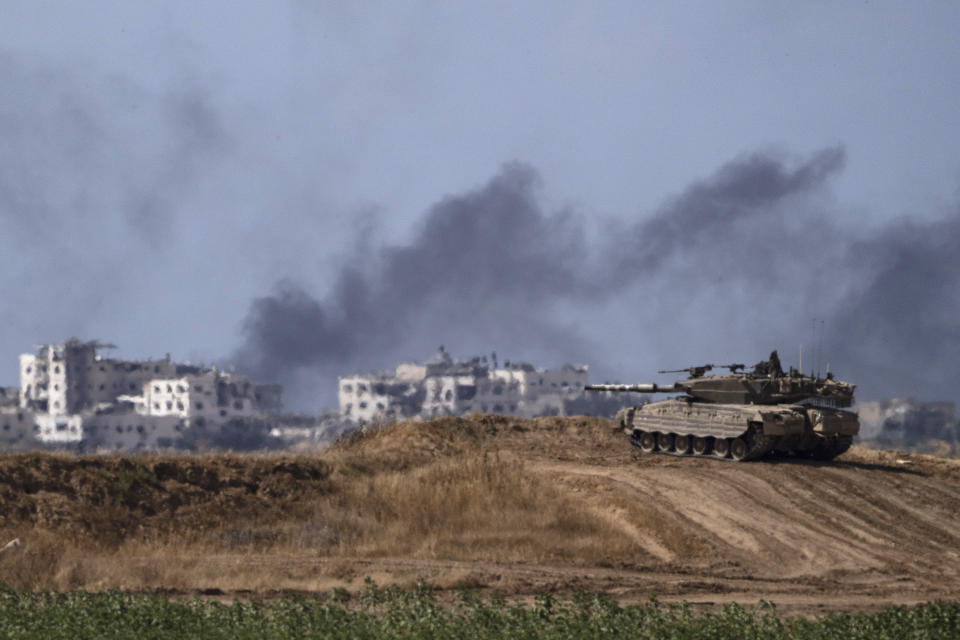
(742, 415)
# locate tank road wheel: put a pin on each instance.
(701, 446)
(664, 441)
(738, 449)
(681, 444)
(647, 442)
(721, 447)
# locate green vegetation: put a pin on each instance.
(395, 613)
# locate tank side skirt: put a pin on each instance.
(689, 426)
(728, 422)
(698, 420)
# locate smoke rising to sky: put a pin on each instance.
(491, 266)
(899, 326)
(307, 190)
(483, 268)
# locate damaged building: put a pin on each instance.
(16, 425)
(443, 386)
(71, 395)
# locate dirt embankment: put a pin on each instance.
(513, 505)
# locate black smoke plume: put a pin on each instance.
(709, 216)
(899, 329)
(479, 268)
(492, 269)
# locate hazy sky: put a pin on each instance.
(215, 179)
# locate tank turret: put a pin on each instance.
(742, 415)
(766, 384)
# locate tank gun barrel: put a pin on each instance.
(640, 387)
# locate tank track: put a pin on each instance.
(830, 448)
(752, 445)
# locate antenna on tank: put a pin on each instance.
(820, 348)
(813, 341)
(800, 368)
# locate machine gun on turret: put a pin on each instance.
(695, 372)
(699, 372)
(733, 367)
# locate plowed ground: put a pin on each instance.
(496, 504)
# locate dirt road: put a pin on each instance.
(859, 532)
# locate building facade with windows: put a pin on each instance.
(69, 394)
(443, 386)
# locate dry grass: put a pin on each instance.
(480, 507)
(445, 490)
(514, 505)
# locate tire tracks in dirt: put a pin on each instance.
(782, 519)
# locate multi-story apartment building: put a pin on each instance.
(442, 386)
(70, 378)
(70, 394)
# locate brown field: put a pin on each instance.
(500, 504)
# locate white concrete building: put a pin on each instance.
(543, 391)
(59, 429)
(443, 386)
(130, 431)
(378, 398)
(454, 395)
(71, 377)
(206, 399)
(73, 395)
